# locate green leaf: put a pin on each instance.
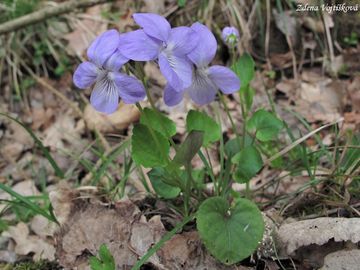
(265, 125)
(149, 147)
(249, 163)
(200, 121)
(158, 121)
(248, 96)
(104, 262)
(181, 3)
(189, 147)
(233, 146)
(231, 234)
(95, 263)
(244, 69)
(160, 182)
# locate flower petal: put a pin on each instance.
(85, 75)
(154, 25)
(202, 90)
(138, 46)
(116, 61)
(176, 70)
(105, 96)
(103, 47)
(172, 97)
(224, 78)
(182, 40)
(131, 90)
(205, 50)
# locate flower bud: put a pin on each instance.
(230, 35)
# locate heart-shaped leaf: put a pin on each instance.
(265, 125)
(231, 234)
(249, 163)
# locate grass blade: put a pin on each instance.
(58, 171)
(28, 203)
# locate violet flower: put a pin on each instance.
(230, 35)
(103, 67)
(206, 80)
(157, 40)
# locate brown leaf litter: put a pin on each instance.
(85, 225)
(311, 240)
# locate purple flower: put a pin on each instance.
(103, 67)
(230, 35)
(206, 80)
(157, 40)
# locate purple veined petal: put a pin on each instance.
(176, 70)
(182, 40)
(105, 95)
(131, 90)
(205, 50)
(115, 61)
(103, 47)
(154, 25)
(172, 97)
(224, 78)
(138, 46)
(85, 75)
(202, 91)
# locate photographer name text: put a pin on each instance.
(328, 8)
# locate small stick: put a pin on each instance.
(46, 13)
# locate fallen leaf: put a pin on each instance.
(343, 259)
(86, 30)
(319, 231)
(119, 120)
(321, 101)
(26, 244)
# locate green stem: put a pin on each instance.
(159, 244)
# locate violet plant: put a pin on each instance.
(229, 223)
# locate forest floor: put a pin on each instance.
(307, 72)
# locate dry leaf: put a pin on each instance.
(321, 101)
(127, 234)
(86, 30)
(119, 120)
(317, 231)
(343, 259)
(42, 226)
(26, 244)
(157, 6)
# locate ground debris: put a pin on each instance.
(127, 233)
(313, 239)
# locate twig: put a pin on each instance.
(46, 13)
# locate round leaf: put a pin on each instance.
(231, 234)
(249, 163)
(265, 125)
